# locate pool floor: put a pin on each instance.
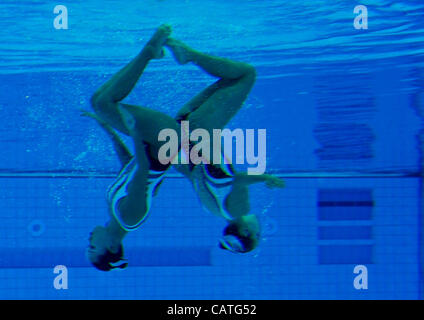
(315, 232)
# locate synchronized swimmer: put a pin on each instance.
(220, 189)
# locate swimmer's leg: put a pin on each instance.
(105, 100)
(133, 207)
(214, 107)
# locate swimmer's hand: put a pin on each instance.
(269, 180)
(158, 40)
(85, 113)
(88, 114)
(121, 149)
(274, 182)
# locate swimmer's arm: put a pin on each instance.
(121, 149)
(115, 229)
(246, 179)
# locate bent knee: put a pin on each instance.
(95, 103)
(101, 104)
(250, 74)
(98, 101)
(94, 99)
(250, 70)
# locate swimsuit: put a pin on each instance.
(217, 180)
(119, 189)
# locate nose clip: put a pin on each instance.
(121, 264)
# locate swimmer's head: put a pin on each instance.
(100, 253)
(241, 235)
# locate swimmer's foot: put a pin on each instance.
(158, 40)
(181, 52)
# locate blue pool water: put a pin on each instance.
(343, 109)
